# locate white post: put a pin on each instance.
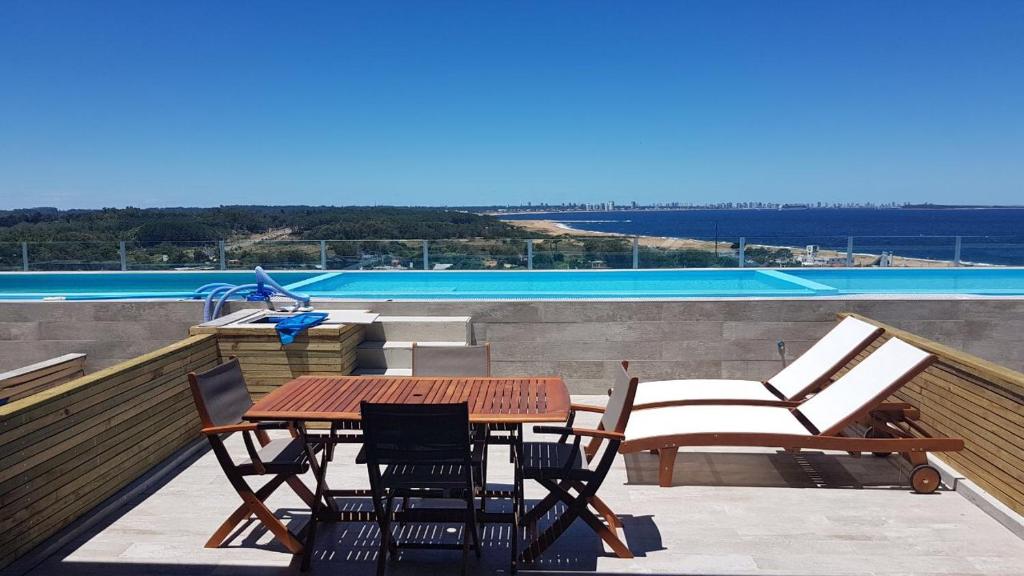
(849, 251)
(24, 256)
(956, 252)
(426, 255)
(220, 250)
(529, 254)
(743, 252)
(636, 252)
(123, 253)
(323, 254)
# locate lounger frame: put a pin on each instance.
(893, 422)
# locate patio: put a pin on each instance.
(731, 512)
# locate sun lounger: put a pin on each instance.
(815, 423)
(807, 374)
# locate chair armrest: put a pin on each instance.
(586, 408)
(240, 427)
(606, 434)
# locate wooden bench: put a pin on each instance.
(27, 380)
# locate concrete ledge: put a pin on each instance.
(976, 495)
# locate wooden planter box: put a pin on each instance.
(266, 363)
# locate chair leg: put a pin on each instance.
(273, 524)
(576, 508)
(242, 512)
(607, 534)
(666, 466)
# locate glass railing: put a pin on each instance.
(555, 253)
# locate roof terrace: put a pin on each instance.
(105, 474)
(730, 512)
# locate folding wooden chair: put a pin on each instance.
(425, 452)
(564, 467)
(221, 397)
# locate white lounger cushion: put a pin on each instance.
(867, 383)
(679, 390)
(823, 359)
(802, 376)
(674, 420)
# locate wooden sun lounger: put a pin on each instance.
(808, 373)
(815, 423)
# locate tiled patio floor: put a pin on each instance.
(732, 513)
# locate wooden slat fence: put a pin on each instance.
(34, 378)
(971, 398)
(68, 448)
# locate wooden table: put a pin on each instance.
(511, 401)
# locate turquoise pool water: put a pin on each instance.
(557, 285)
(111, 285)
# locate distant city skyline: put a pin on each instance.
(191, 103)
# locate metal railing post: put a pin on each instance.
(323, 254)
(220, 255)
(636, 252)
(426, 255)
(956, 251)
(529, 254)
(743, 252)
(123, 254)
(849, 251)
(24, 256)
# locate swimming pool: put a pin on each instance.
(533, 285)
(115, 285)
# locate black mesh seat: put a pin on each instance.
(280, 456)
(554, 460)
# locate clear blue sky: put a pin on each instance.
(173, 103)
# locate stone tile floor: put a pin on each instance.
(732, 512)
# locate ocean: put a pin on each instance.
(990, 235)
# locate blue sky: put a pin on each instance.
(203, 103)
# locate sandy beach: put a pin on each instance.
(665, 243)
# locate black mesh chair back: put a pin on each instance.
(410, 434)
(221, 394)
(451, 360)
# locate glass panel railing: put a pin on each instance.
(563, 252)
(482, 254)
(11, 256)
(904, 251)
(172, 255)
(272, 254)
(992, 251)
(583, 253)
(374, 254)
(795, 251)
(687, 253)
(72, 255)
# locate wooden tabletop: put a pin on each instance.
(491, 400)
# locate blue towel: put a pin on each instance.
(290, 327)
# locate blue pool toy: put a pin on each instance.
(291, 326)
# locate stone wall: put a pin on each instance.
(579, 340)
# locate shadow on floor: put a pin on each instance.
(807, 469)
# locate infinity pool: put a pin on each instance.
(533, 285)
(113, 285)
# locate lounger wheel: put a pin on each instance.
(925, 479)
(872, 433)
